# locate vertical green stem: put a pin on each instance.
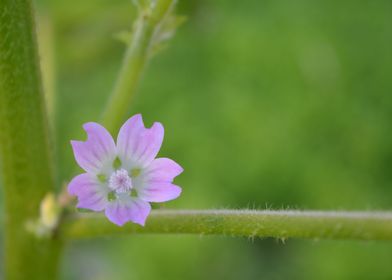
(46, 50)
(134, 63)
(24, 144)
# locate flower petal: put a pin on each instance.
(162, 169)
(138, 146)
(97, 153)
(127, 209)
(159, 191)
(154, 183)
(91, 194)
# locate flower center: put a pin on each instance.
(120, 182)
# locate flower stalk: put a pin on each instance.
(244, 223)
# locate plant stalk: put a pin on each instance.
(244, 223)
(26, 161)
(135, 60)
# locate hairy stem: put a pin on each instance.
(135, 60)
(27, 170)
(245, 223)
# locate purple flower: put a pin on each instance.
(123, 178)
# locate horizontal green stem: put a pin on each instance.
(245, 223)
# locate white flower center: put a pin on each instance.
(120, 181)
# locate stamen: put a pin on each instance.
(120, 181)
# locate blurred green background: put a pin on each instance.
(267, 103)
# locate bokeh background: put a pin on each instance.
(266, 104)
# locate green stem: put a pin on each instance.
(135, 60)
(46, 50)
(24, 145)
(245, 223)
